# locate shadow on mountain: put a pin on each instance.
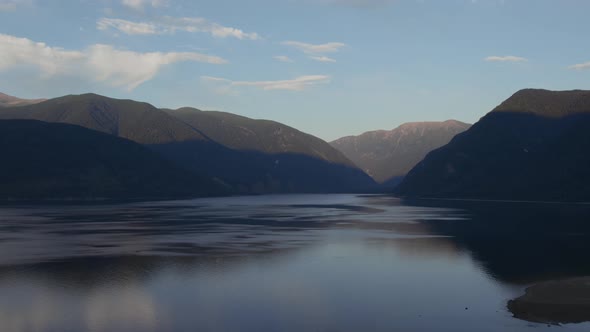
(254, 156)
(59, 161)
(509, 155)
(258, 172)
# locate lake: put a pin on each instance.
(283, 263)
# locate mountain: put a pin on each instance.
(387, 155)
(533, 146)
(270, 137)
(60, 161)
(139, 122)
(282, 160)
(266, 156)
(10, 101)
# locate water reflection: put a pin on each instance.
(282, 263)
(521, 242)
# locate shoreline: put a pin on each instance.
(554, 302)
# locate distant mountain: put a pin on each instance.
(10, 101)
(534, 146)
(388, 155)
(43, 160)
(280, 159)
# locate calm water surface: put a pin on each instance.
(283, 263)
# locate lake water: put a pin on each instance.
(283, 263)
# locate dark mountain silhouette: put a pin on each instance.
(275, 162)
(388, 155)
(10, 101)
(534, 146)
(60, 161)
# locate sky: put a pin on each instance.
(331, 68)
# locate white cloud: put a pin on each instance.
(315, 48)
(120, 68)
(283, 58)
(223, 32)
(140, 4)
(170, 25)
(507, 58)
(22, 51)
(322, 59)
(297, 84)
(130, 69)
(580, 66)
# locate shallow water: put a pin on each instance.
(283, 263)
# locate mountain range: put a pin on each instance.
(44, 160)
(8, 101)
(388, 155)
(250, 156)
(533, 146)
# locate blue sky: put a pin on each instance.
(327, 67)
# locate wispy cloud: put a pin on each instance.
(130, 69)
(507, 58)
(322, 59)
(119, 68)
(297, 84)
(170, 25)
(141, 4)
(315, 48)
(282, 58)
(580, 66)
(127, 27)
